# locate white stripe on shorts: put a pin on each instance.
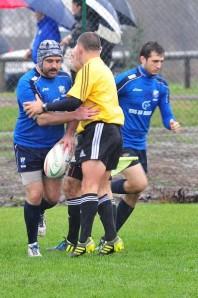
(96, 140)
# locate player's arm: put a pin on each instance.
(167, 115)
(55, 118)
(38, 107)
(24, 93)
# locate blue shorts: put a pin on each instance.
(141, 154)
(29, 159)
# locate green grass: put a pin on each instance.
(8, 116)
(185, 111)
(160, 258)
(177, 89)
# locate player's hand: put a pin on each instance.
(85, 113)
(33, 108)
(69, 143)
(175, 126)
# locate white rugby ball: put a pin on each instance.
(56, 161)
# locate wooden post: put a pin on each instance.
(2, 76)
(187, 73)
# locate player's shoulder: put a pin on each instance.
(127, 76)
(31, 75)
(161, 80)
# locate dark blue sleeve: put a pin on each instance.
(121, 80)
(25, 91)
(165, 106)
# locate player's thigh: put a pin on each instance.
(93, 171)
(52, 189)
(72, 181)
(136, 176)
(71, 187)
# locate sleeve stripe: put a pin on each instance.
(85, 81)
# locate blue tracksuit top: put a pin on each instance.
(27, 132)
(46, 29)
(140, 93)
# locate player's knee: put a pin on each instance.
(34, 196)
(138, 187)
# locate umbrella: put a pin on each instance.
(54, 9)
(125, 13)
(5, 4)
(104, 9)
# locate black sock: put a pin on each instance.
(74, 220)
(105, 210)
(46, 205)
(88, 208)
(31, 216)
(114, 209)
(117, 186)
(123, 213)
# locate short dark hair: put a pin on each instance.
(90, 41)
(151, 46)
(77, 2)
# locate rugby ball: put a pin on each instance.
(56, 161)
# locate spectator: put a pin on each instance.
(46, 29)
(92, 24)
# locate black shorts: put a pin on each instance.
(99, 141)
(141, 154)
(29, 159)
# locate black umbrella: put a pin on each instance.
(125, 12)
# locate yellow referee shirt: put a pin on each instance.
(95, 85)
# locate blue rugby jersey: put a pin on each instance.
(46, 29)
(140, 93)
(27, 132)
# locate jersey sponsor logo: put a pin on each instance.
(132, 76)
(146, 104)
(140, 112)
(45, 89)
(137, 89)
(61, 89)
(22, 163)
(155, 95)
(35, 78)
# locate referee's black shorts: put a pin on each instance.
(100, 141)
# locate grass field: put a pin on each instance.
(160, 258)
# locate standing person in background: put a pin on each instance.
(92, 24)
(46, 29)
(99, 141)
(34, 137)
